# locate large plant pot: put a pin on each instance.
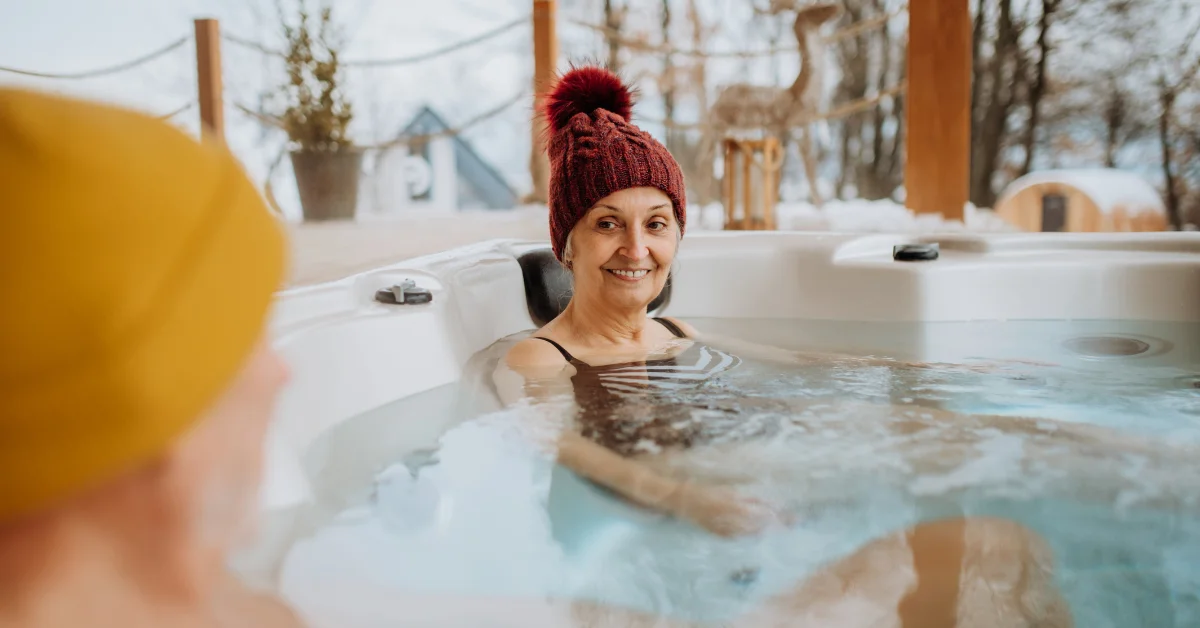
(328, 182)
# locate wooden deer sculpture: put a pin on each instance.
(779, 111)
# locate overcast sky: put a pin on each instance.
(75, 35)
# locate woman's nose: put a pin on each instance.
(635, 245)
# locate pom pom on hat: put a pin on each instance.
(584, 90)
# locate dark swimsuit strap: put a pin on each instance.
(671, 327)
(566, 354)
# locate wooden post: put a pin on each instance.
(749, 220)
(729, 147)
(545, 64)
(772, 166)
(208, 74)
(938, 107)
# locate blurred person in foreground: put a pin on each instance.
(137, 267)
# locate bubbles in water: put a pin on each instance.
(857, 453)
(406, 502)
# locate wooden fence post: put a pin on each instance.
(938, 107)
(545, 63)
(208, 74)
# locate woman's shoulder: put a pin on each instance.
(688, 330)
(534, 352)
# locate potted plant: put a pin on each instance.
(316, 114)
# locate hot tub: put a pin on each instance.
(376, 386)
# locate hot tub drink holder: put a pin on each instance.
(915, 252)
(407, 293)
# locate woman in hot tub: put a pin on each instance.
(617, 214)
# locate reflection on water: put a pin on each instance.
(1107, 475)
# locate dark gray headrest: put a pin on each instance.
(548, 286)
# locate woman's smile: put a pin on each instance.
(628, 274)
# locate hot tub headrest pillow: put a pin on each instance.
(548, 286)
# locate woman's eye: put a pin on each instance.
(658, 225)
(606, 224)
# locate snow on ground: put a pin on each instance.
(858, 216)
(328, 251)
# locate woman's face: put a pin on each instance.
(622, 249)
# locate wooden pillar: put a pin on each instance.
(938, 106)
(208, 74)
(545, 64)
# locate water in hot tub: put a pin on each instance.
(448, 492)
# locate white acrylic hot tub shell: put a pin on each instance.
(350, 354)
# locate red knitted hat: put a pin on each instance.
(595, 151)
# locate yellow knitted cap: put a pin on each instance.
(137, 267)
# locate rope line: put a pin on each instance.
(102, 71)
(863, 26)
(458, 130)
(482, 37)
(168, 116)
(846, 110)
(273, 122)
(852, 30)
(615, 35)
(406, 60)
(841, 111)
(262, 118)
(268, 189)
(252, 45)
